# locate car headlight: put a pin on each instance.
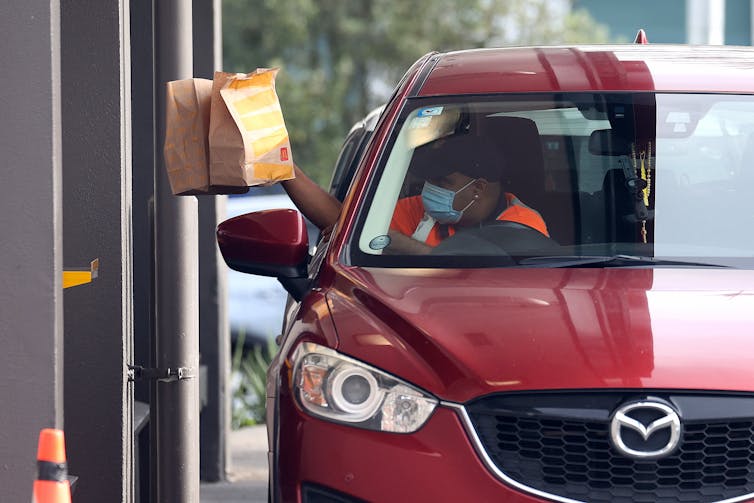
(333, 386)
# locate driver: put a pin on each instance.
(462, 188)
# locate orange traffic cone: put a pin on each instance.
(52, 484)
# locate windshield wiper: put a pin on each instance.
(566, 261)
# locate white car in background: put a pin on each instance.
(256, 304)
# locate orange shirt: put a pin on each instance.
(409, 212)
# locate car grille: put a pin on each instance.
(560, 444)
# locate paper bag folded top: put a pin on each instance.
(248, 140)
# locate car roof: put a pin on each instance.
(629, 67)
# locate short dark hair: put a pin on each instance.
(464, 153)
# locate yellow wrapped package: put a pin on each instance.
(248, 140)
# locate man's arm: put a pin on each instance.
(406, 215)
(402, 244)
(321, 208)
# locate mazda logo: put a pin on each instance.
(645, 430)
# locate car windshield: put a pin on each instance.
(564, 180)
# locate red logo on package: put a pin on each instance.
(283, 153)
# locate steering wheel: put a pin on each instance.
(501, 238)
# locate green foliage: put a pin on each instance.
(341, 58)
(248, 382)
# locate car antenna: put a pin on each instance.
(641, 37)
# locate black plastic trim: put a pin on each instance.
(315, 493)
(421, 79)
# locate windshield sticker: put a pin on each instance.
(428, 112)
(380, 242)
(420, 122)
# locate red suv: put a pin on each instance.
(540, 287)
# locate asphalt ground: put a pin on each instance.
(247, 473)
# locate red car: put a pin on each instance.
(540, 287)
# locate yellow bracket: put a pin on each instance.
(77, 277)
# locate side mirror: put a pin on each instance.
(268, 243)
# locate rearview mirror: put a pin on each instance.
(608, 142)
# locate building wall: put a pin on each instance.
(664, 21)
(738, 22)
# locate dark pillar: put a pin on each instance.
(143, 132)
(176, 408)
(31, 295)
(97, 217)
(214, 336)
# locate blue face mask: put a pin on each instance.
(438, 203)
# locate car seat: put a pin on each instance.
(524, 173)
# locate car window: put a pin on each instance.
(344, 166)
(647, 175)
(351, 153)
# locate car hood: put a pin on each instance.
(464, 333)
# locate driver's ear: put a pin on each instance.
(480, 186)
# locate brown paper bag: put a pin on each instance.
(248, 140)
(186, 148)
